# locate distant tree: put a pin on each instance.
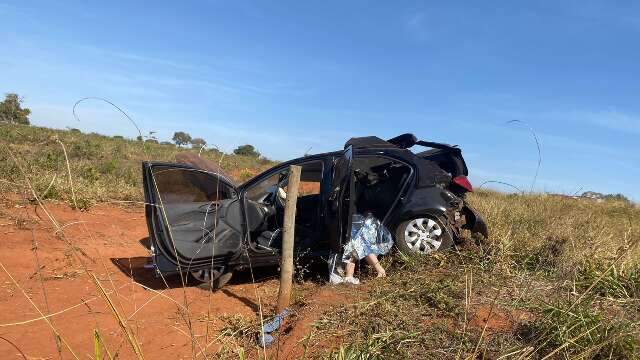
(153, 141)
(181, 138)
(167, 143)
(246, 150)
(215, 152)
(11, 110)
(592, 195)
(139, 138)
(617, 197)
(119, 137)
(599, 196)
(198, 142)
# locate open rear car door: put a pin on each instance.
(340, 202)
(194, 217)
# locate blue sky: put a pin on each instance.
(289, 76)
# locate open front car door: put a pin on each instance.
(194, 217)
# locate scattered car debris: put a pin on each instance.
(264, 337)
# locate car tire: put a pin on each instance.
(423, 235)
(211, 279)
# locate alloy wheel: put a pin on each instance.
(423, 235)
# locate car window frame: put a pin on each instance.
(404, 187)
(242, 190)
(278, 169)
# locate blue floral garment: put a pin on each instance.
(368, 236)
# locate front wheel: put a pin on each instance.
(422, 236)
(212, 279)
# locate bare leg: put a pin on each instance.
(372, 260)
(349, 269)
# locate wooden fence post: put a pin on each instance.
(286, 258)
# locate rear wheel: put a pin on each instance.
(423, 235)
(212, 278)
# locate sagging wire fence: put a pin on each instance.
(535, 137)
(538, 165)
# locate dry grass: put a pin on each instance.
(81, 169)
(559, 278)
(556, 234)
(103, 168)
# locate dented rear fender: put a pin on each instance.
(474, 222)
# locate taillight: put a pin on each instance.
(463, 182)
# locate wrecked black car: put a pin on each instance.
(203, 225)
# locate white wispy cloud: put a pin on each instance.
(187, 69)
(605, 118)
(623, 13)
(613, 120)
(416, 26)
(157, 60)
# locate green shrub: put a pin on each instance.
(579, 331)
(609, 281)
(109, 167)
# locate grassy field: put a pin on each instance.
(103, 168)
(559, 278)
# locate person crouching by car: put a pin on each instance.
(369, 238)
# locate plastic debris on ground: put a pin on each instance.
(265, 338)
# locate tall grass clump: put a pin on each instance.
(611, 281)
(579, 331)
(557, 235)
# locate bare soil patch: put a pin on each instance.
(110, 242)
(491, 319)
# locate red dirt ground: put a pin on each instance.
(492, 319)
(109, 244)
(291, 345)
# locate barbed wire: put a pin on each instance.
(502, 183)
(75, 115)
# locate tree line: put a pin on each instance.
(13, 112)
(182, 138)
